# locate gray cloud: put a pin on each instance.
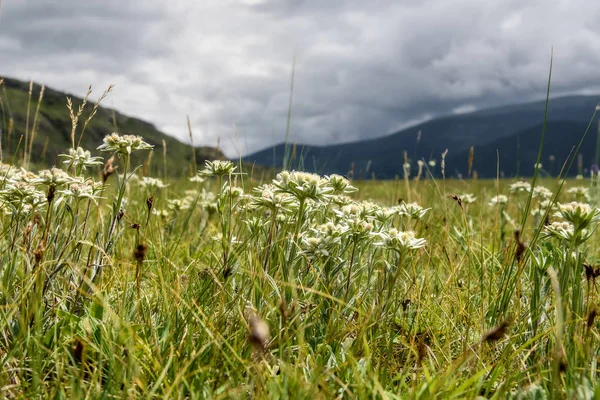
(363, 69)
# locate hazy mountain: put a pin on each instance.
(513, 130)
(54, 130)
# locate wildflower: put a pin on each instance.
(398, 240)
(217, 168)
(580, 191)
(432, 163)
(152, 184)
(339, 184)
(520, 187)
(542, 192)
(80, 191)
(80, 158)
(53, 177)
(125, 144)
(160, 213)
(302, 185)
(579, 214)
(468, 198)
(411, 210)
(267, 198)
(566, 231)
(501, 200)
(197, 179)
(341, 200)
(177, 205)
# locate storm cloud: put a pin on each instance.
(362, 68)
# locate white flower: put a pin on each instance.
(432, 163)
(566, 231)
(152, 183)
(54, 176)
(468, 198)
(80, 158)
(542, 192)
(302, 185)
(160, 213)
(339, 184)
(579, 214)
(197, 179)
(501, 200)
(520, 186)
(217, 168)
(398, 240)
(125, 144)
(411, 210)
(580, 191)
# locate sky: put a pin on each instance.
(363, 69)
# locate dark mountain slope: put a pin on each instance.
(456, 133)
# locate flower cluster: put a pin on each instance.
(125, 144)
(80, 159)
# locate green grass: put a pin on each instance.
(102, 304)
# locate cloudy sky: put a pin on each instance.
(363, 68)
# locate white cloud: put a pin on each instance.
(363, 69)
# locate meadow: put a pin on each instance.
(230, 284)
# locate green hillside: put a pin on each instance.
(53, 135)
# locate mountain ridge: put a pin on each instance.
(384, 155)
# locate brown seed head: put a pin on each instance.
(591, 317)
(109, 168)
(50, 195)
(150, 202)
(496, 333)
(140, 252)
(38, 253)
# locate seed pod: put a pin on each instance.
(496, 333)
(259, 333)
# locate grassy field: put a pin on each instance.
(301, 286)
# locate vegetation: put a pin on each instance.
(222, 286)
(32, 114)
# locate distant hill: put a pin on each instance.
(513, 130)
(54, 130)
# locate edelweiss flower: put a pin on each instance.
(542, 192)
(125, 144)
(566, 231)
(80, 191)
(302, 185)
(152, 183)
(579, 214)
(54, 176)
(339, 185)
(501, 200)
(520, 187)
(580, 191)
(80, 159)
(411, 210)
(468, 198)
(398, 240)
(217, 168)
